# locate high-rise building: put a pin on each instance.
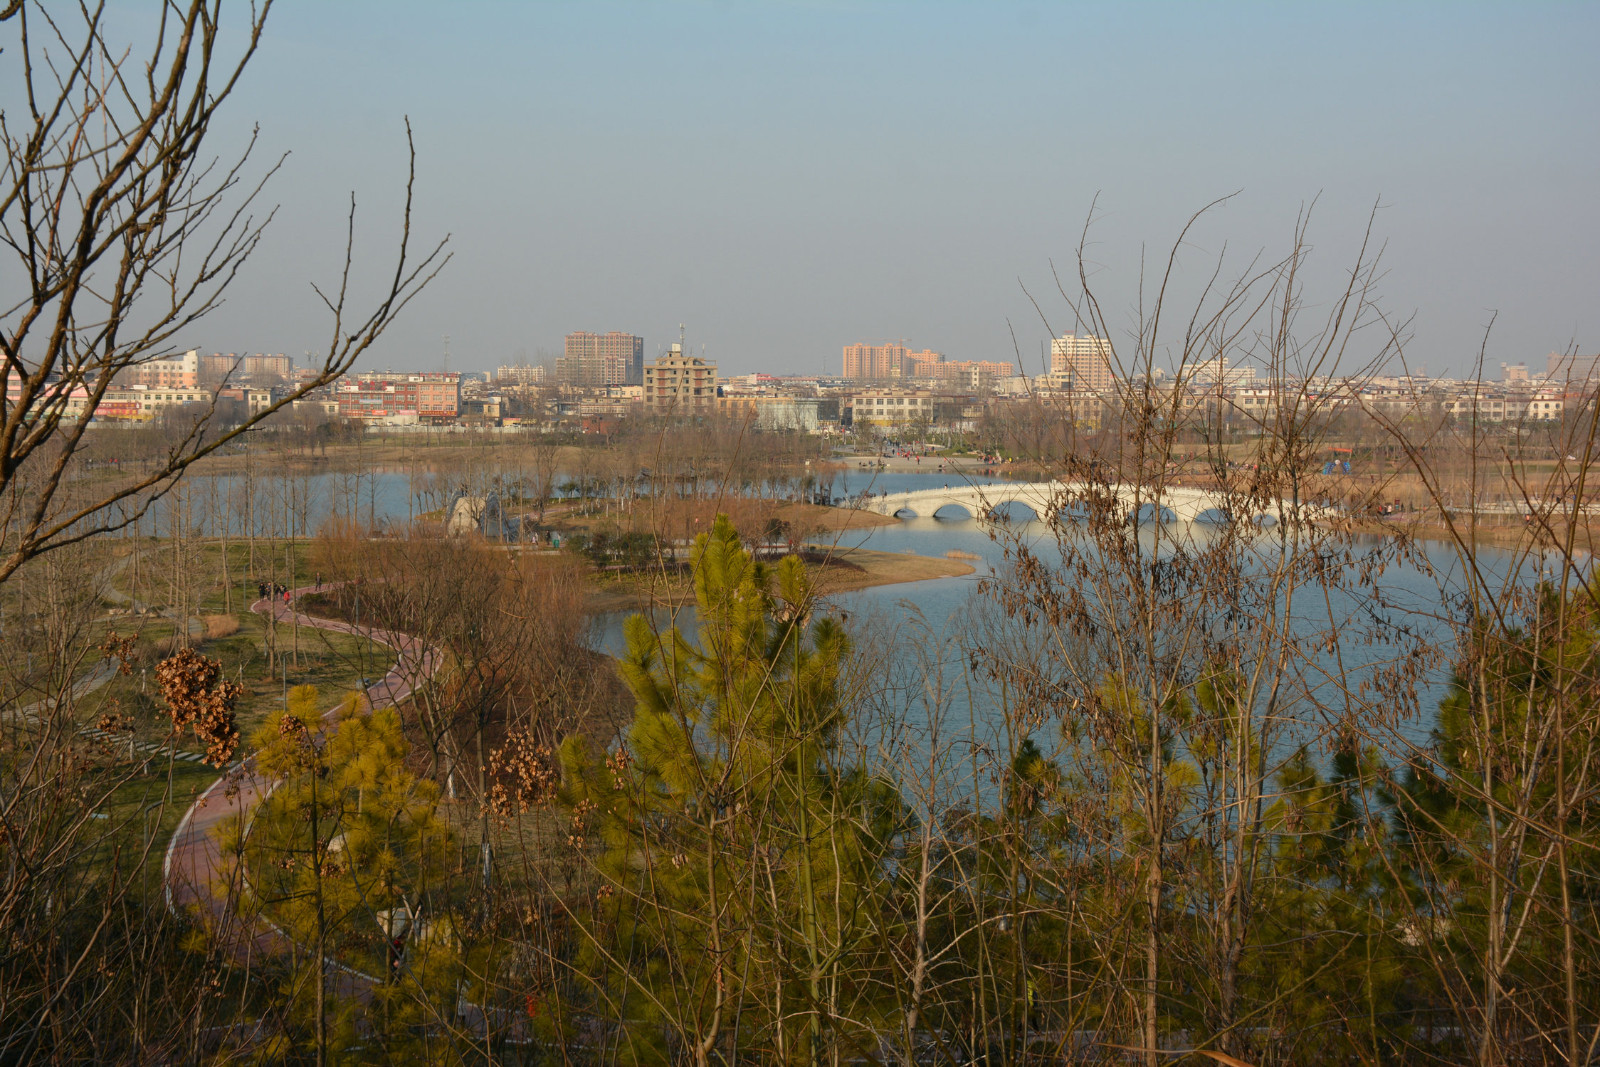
(612, 358)
(1568, 366)
(260, 368)
(956, 370)
(1082, 362)
(924, 364)
(865, 362)
(680, 384)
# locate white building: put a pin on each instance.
(892, 407)
(520, 373)
(171, 372)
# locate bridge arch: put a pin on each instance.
(1153, 514)
(1015, 509)
(1054, 500)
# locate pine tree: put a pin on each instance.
(348, 840)
(737, 856)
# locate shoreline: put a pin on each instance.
(1584, 537)
(850, 569)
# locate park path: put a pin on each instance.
(194, 871)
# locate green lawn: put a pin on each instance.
(334, 662)
(132, 828)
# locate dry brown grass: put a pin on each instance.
(841, 570)
(220, 626)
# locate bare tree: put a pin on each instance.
(123, 234)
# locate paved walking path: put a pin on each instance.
(195, 873)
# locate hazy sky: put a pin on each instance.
(788, 178)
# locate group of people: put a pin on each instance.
(275, 589)
(278, 589)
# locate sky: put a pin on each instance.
(787, 178)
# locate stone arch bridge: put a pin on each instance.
(1043, 498)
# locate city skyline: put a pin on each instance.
(818, 174)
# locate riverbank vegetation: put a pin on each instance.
(1267, 790)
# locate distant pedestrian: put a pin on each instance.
(319, 581)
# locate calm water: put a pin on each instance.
(1412, 598)
(943, 604)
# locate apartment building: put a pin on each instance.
(680, 384)
(1082, 362)
(1568, 366)
(923, 364)
(1547, 404)
(775, 414)
(172, 372)
(1217, 372)
(391, 396)
(521, 373)
(258, 367)
(1541, 406)
(143, 404)
(865, 362)
(893, 360)
(612, 358)
(966, 373)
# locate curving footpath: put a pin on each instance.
(194, 871)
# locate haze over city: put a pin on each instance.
(790, 178)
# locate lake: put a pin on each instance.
(390, 496)
(1412, 597)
